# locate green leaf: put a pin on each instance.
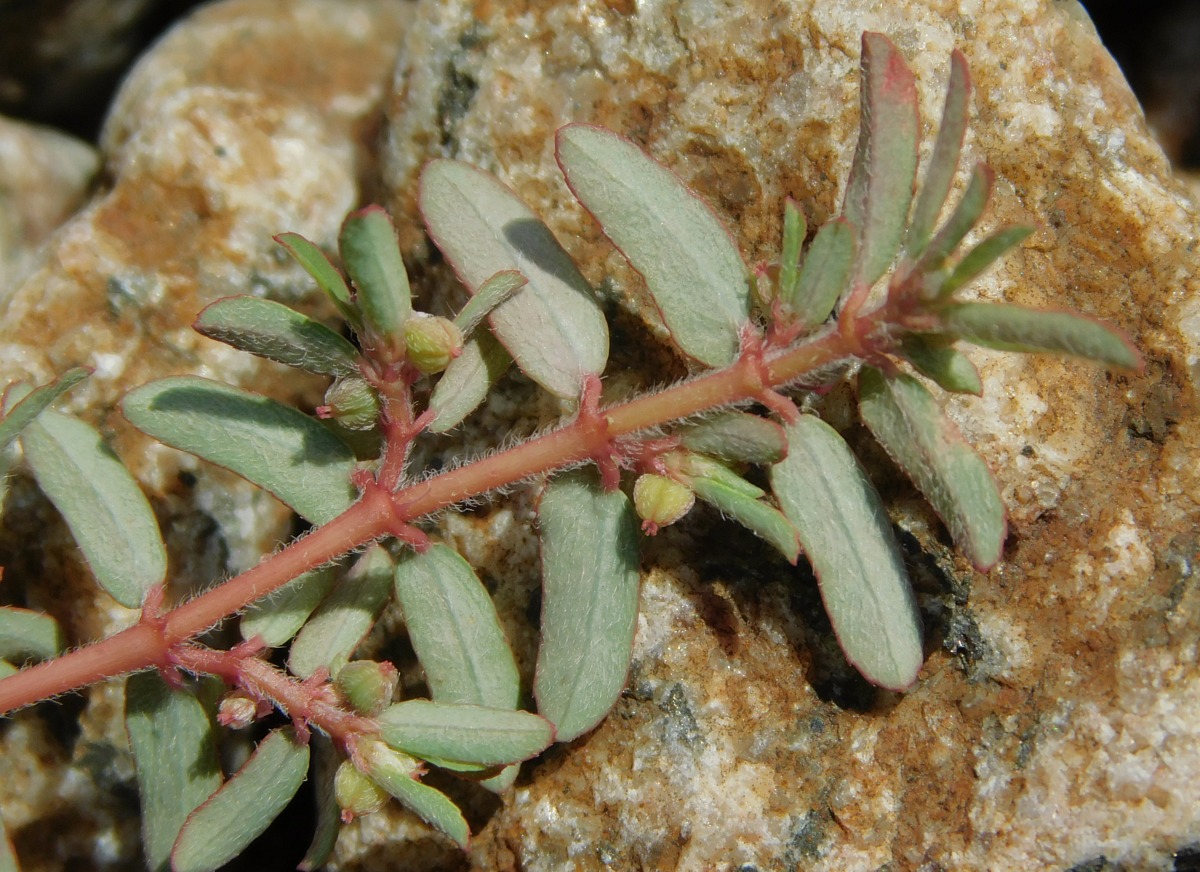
(880, 188)
(758, 517)
(7, 669)
(244, 807)
(106, 510)
(825, 273)
(964, 217)
(699, 466)
(20, 411)
(911, 427)
(326, 275)
(432, 806)
(371, 255)
(275, 446)
(276, 332)
(467, 380)
(939, 175)
(464, 733)
(173, 746)
(949, 368)
(737, 437)
(1016, 328)
(794, 230)
(496, 290)
(981, 257)
(553, 328)
(329, 816)
(688, 258)
(25, 633)
(589, 601)
(280, 616)
(848, 540)
(345, 617)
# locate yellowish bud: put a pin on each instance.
(352, 403)
(432, 342)
(661, 501)
(356, 794)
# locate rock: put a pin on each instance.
(1055, 720)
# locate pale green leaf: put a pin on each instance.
(25, 633)
(244, 807)
(175, 751)
(105, 508)
(880, 188)
(825, 274)
(982, 256)
(949, 368)
(277, 332)
(326, 275)
(467, 380)
(371, 255)
(280, 616)
(553, 328)
(329, 816)
(961, 221)
(699, 466)
(22, 405)
(689, 259)
(496, 290)
(464, 733)
(939, 175)
(345, 617)
(761, 519)
(913, 430)
(432, 806)
(738, 437)
(280, 449)
(794, 230)
(848, 540)
(589, 600)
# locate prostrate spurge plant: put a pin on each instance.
(753, 336)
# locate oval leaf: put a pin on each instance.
(688, 258)
(848, 540)
(106, 510)
(947, 367)
(175, 751)
(465, 733)
(371, 255)
(553, 328)
(758, 517)
(794, 230)
(467, 380)
(496, 290)
(25, 633)
(25, 405)
(825, 273)
(912, 428)
(280, 616)
(244, 807)
(738, 437)
(277, 332)
(275, 446)
(326, 275)
(589, 601)
(432, 806)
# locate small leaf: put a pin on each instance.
(345, 617)
(326, 275)
(981, 257)
(794, 230)
(911, 427)
(880, 188)
(553, 328)
(737, 437)
(496, 290)
(25, 633)
(761, 519)
(699, 466)
(689, 259)
(280, 616)
(467, 380)
(329, 822)
(276, 332)
(275, 446)
(432, 806)
(825, 273)
(106, 510)
(847, 537)
(939, 175)
(18, 413)
(589, 601)
(173, 746)
(371, 254)
(949, 368)
(464, 733)
(964, 217)
(244, 807)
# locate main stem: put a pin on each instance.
(379, 512)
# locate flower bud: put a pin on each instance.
(432, 342)
(352, 403)
(367, 685)
(661, 501)
(356, 794)
(237, 711)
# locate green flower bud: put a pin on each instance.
(352, 403)
(432, 342)
(356, 793)
(661, 501)
(367, 685)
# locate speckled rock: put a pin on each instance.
(1056, 722)
(228, 132)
